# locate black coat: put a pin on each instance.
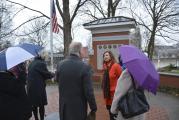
(75, 89)
(37, 75)
(14, 104)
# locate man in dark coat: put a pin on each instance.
(37, 75)
(75, 86)
(14, 104)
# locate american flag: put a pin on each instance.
(55, 27)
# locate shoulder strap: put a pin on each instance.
(133, 83)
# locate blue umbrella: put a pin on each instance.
(12, 56)
(141, 68)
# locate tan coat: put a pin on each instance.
(124, 84)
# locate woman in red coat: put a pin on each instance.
(112, 71)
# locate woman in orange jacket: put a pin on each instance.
(112, 71)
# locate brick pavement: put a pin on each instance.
(155, 112)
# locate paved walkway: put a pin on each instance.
(163, 106)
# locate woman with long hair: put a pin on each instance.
(36, 85)
(112, 71)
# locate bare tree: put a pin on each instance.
(32, 33)
(98, 9)
(68, 20)
(161, 19)
(112, 5)
(64, 10)
(4, 44)
(42, 15)
(95, 9)
(5, 20)
(37, 32)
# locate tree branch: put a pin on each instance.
(21, 25)
(33, 10)
(165, 37)
(99, 8)
(29, 8)
(44, 26)
(18, 12)
(149, 5)
(79, 4)
(115, 3)
(89, 13)
(59, 9)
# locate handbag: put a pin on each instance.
(133, 103)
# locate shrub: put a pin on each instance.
(168, 68)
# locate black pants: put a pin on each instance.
(112, 116)
(41, 110)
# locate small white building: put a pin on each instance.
(166, 55)
(109, 34)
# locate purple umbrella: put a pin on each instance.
(140, 67)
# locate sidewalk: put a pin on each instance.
(163, 106)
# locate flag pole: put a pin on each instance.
(51, 37)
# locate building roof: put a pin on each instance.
(103, 22)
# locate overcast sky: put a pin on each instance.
(80, 34)
(41, 5)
